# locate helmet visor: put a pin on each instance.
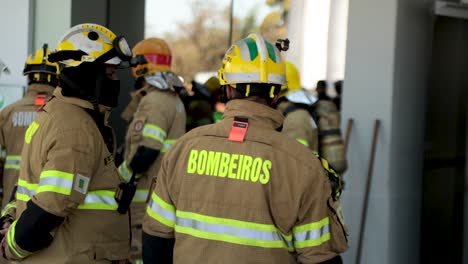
(122, 48)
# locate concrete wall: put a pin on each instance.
(410, 83)
(52, 19)
(386, 73)
(445, 144)
(15, 31)
(123, 18)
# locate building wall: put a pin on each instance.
(410, 85)
(52, 19)
(385, 79)
(123, 18)
(445, 144)
(16, 33)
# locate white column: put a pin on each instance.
(337, 40)
(15, 32)
(52, 19)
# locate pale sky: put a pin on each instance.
(163, 15)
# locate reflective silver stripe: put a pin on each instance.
(168, 144)
(25, 191)
(312, 234)
(231, 230)
(262, 49)
(3, 153)
(155, 207)
(140, 196)
(125, 172)
(56, 181)
(276, 78)
(238, 77)
(12, 162)
(95, 198)
(154, 132)
(244, 50)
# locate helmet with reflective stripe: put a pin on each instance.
(39, 63)
(293, 79)
(91, 43)
(252, 60)
(39, 69)
(153, 55)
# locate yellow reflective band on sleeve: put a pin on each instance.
(25, 190)
(303, 142)
(32, 129)
(99, 200)
(154, 132)
(12, 162)
(312, 234)
(3, 153)
(10, 206)
(125, 172)
(55, 181)
(232, 231)
(140, 196)
(168, 144)
(12, 243)
(161, 211)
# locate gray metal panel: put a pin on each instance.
(123, 17)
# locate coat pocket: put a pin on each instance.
(338, 228)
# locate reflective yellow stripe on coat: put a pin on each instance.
(218, 229)
(12, 162)
(154, 132)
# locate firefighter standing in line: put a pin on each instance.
(66, 211)
(15, 119)
(158, 121)
(293, 104)
(239, 191)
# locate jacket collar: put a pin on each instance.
(36, 88)
(72, 100)
(256, 112)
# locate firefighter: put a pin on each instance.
(238, 191)
(66, 211)
(15, 119)
(294, 104)
(158, 121)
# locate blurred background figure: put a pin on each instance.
(157, 120)
(197, 101)
(15, 119)
(295, 104)
(321, 90)
(3, 68)
(339, 89)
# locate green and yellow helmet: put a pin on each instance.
(293, 79)
(39, 69)
(252, 60)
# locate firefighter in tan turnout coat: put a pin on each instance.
(15, 119)
(158, 120)
(66, 208)
(239, 191)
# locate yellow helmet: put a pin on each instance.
(39, 69)
(293, 79)
(153, 55)
(91, 43)
(252, 60)
(212, 84)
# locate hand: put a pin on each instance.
(5, 228)
(3, 232)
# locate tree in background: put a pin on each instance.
(274, 24)
(199, 45)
